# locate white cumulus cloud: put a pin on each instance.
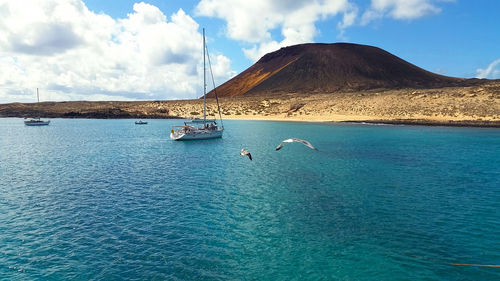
(254, 21)
(491, 71)
(400, 9)
(72, 53)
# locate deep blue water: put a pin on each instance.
(109, 200)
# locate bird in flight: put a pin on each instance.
(308, 144)
(245, 152)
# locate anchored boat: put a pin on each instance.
(36, 121)
(200, 129)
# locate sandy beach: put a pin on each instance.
(447, 106)
(457, 106)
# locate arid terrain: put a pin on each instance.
(469, 106)
(315, 82)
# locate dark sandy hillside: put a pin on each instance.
(329, 68)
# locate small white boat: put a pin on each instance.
(140, 122)
(200, 129)
(36, 121)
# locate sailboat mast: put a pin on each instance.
(204, 82)
(37, 96)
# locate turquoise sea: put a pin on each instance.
(86, 199)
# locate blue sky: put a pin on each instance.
(132, 50)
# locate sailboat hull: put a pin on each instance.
(196, 135)
(36, 123)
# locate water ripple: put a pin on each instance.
(104, 199)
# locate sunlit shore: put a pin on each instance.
(453, 106)
(493, 123)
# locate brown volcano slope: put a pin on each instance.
(328, 68)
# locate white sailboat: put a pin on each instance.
(200, 129)
(36, 121)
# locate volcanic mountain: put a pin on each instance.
(327, 68)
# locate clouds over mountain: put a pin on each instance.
(73, 53)
(254, 21)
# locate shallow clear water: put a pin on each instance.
(107, 199)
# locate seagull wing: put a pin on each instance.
(283, 143)
(245, 152)
(308, 144)
(280, 146)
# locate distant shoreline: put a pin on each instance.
(465, 123)
(407, 122)
(474, 106)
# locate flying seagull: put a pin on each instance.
(245, 152)
(308, 144)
